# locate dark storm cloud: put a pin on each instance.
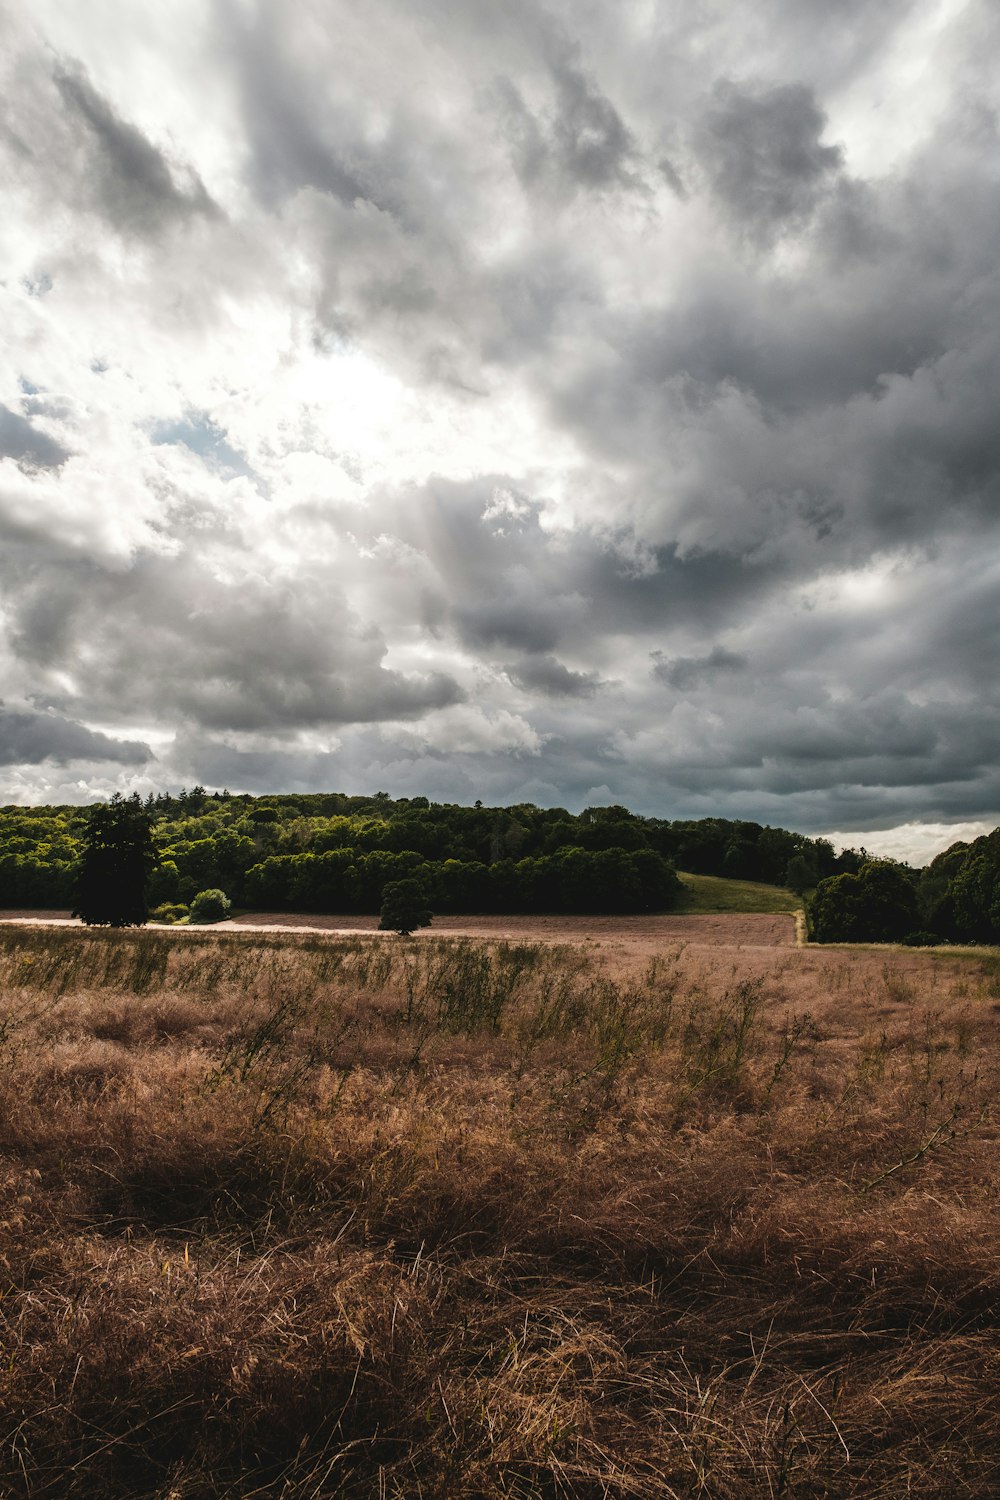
(582, 142)
(167, 638)
(28, 737)
(832, 350)
(887, 744)
(136, 186)
(803, 420)
(510, 622)
(762, 149)
(287, 697)
(684, 672)
(545, 674)
(505, 581)
(28, 445)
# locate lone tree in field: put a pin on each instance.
(404, 907)
(118, 858)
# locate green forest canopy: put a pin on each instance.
(329, 852)
(332, 852)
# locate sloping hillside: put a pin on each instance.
(708, 893)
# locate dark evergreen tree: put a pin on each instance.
(117, 860)
(404, 907)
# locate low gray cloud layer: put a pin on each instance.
(533, 401)
(32, 738)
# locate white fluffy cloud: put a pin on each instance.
(504, 401)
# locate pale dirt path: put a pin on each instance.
(639, 934)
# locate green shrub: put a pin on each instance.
(210, 906)
(171, 912)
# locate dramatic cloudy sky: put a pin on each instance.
(574, 402)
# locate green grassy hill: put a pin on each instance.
(713, 893)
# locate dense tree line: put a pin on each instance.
(333, 852)
(572, 880)
(956, 898)
(40, 848)
(336, 853)
(878, 904)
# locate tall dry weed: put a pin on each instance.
(303, 1216)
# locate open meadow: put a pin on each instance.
(582, 1209)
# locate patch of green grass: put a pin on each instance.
(712, 893)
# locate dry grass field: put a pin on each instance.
(614, 935)
(689, 1212)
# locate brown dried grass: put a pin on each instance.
(305, 1216)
